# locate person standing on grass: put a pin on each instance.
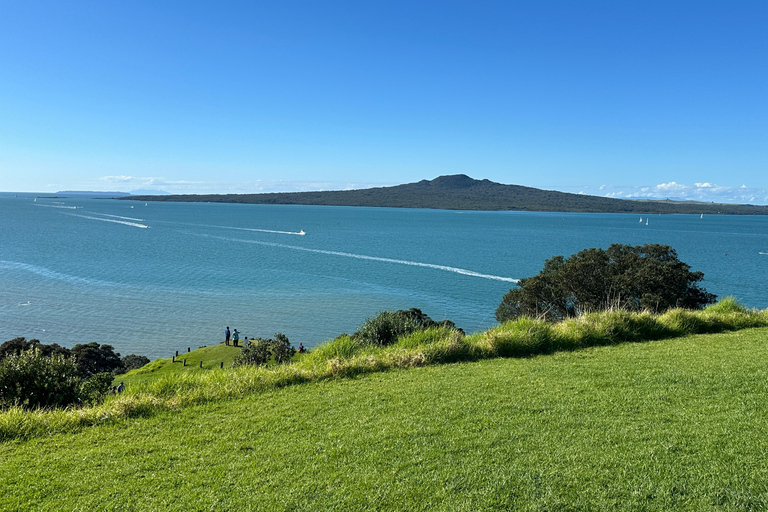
(226, 336)
(120, 388)
(235, 337)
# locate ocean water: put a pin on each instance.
(152, 278)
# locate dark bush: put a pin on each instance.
(633, 278)
(261, 351)
(386, 327)
(93, 358)
(281, 349)
(134, 362)
(255, 353)
(32, 380)
(19, 345)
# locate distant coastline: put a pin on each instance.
(460, 192)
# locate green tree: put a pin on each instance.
(132, 362)
(19, 345)
(647, 277)
(93, 358)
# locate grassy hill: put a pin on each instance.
(667, 425)
(460, 192)
(579, 419)
(211, 357)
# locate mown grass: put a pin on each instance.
(673, 425)
(173, 386)
(212, 358)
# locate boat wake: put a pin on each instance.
(52, 274)
(116, 216)
(57, 206)
(126, 223)
(446, 268)
(300, 233)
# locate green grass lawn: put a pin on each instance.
(667, 425)
(211, 357)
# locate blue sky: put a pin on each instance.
(619, 98)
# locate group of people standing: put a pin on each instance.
(234, 336)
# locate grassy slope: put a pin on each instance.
(211, 356)
(667, 425)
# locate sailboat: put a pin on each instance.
(646, 222)
(641, 219)
(702, 216)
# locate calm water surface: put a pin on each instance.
(157, 277)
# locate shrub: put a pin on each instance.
(281, 349)
(255, 353)
(31, 380)
(261, 351)
(386, 327)
(94, 389)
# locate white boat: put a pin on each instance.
(302, 232)
(641, 219)
(646, 222)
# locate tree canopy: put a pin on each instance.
(93, 358)
(647, 277)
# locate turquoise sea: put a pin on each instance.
(152, 278)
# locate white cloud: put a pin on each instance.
(117, 179)
(700, 191)
(670, 186)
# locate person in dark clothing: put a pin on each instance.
(226, 336)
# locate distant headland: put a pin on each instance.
(460, 192)
(88, 193)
